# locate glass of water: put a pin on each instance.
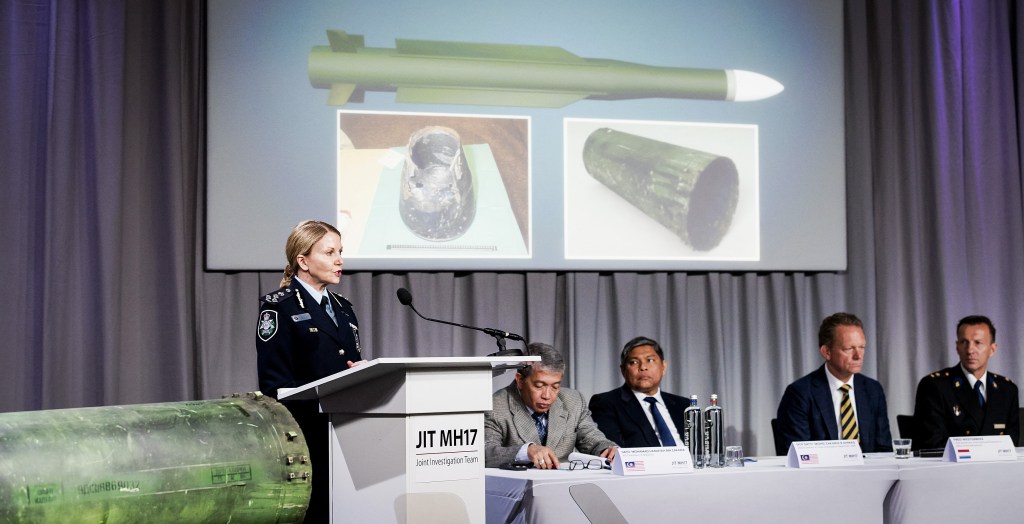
(734, 456)
(901, 448)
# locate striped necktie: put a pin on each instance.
(541, 421)
(847, 418)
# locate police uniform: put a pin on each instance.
(946, 406)
(298, 343)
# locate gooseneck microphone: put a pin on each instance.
(405, 297)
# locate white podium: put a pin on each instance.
(407, 437)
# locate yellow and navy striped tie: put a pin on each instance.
(847, 417)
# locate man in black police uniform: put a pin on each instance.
(625, 414)
(966, 399)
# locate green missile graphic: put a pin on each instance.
(421, 71)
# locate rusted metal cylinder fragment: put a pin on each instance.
(693, 193)
(438, 200)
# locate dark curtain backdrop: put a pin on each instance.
(105, 299)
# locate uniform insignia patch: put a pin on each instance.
(956, 410)
(267, 326)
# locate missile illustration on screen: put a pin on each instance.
(430, 72)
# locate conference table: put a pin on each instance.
(884, 489)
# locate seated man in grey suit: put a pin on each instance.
(836, 401)
(625, 414)
(536, 420)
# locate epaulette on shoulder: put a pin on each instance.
(1000, 377)
(278, 296)
(939, 374)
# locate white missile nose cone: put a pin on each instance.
(745, 86)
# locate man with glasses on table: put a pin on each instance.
(535, 420)
(640, 414)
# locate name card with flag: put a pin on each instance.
(824, 453)
(979, 449)
(652, 461)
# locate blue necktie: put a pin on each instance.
(659, 422)
(981, 397)
(326, 303)
(542, 427)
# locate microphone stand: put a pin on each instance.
(499, 336)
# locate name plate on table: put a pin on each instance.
(652, 461)
(979, 449)
(824, 453)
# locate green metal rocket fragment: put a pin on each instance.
(240, 459)
(693, 193)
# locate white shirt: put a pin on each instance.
(664, 414)
(837, 398)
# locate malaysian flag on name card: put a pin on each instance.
(811, 458)
(634, 465)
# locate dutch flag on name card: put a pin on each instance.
(962, 454)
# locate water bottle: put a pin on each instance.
(693, 434)
(714, 446)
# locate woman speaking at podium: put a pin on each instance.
(306, 332)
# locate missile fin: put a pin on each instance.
(518, 53)
(489, 97)
(342, 93)
(343, 42)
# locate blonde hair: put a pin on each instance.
(303, 237)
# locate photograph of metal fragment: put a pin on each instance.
(435, 72)
(660, 190)
(437, 198)
(432, 185)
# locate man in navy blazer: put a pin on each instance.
(623, 416)
(810, 407)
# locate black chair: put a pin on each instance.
(905, 425)
(777, 438)
(1021, 436)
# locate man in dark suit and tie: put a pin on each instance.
(967, 399)
(640, 414)
(836, 401)
(536, 420)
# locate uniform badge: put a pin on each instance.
(355, 333)
(268, 325)
(956, 410)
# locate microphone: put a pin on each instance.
(405, 297)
